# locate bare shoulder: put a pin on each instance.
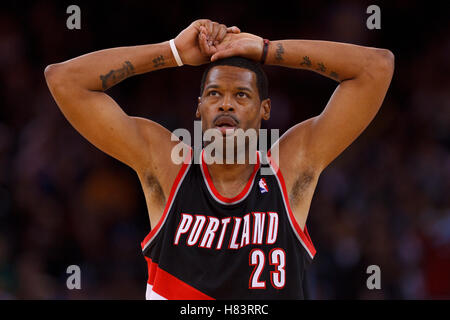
(161, 168)
(296, 155)
(299, 171)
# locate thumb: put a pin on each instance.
(225, 53)
(233, 29)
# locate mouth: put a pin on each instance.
(226, 124)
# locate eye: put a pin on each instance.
(213, 93)
(242, 94)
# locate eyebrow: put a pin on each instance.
(215, 86)
(212, 86)
(245, 89)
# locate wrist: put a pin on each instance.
(153, 57)
(175, 53)
(275, 53)
(265, 50)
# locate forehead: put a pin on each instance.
(230, 75)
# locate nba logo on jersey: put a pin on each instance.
(263, 185)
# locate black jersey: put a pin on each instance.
(207, 246)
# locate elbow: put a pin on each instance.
(378, 66)
(52, 74)
(383, 63)
(58, 77)
(387, 60)
(50, 71)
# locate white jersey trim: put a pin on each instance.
(152, 295)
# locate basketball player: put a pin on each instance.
(225, 231)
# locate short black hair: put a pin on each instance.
(261, 78)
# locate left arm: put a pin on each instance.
(363, 73)
(306, 149)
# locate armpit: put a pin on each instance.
(156, 193)
(300, 186)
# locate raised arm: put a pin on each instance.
(78, 86)
(363, 73)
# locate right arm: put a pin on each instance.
(78, 86)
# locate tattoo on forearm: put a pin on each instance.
(158, 61)
(306, 62)
(115, 76)
(279, 52)
(321, 67)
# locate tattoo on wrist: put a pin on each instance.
(158, 61)
(306, 62)
(115, 76)
(279, 52)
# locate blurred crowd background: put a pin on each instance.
(383, 202)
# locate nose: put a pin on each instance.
(226, 105)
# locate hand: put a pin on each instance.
(246, 45)
(198, 42)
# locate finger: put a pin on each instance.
(216, 28)
(221, 35)
(209, 27)
(204, 48)
(203, 26)
(203, 29)
(233, 29)
(205, 45)
(223, 54)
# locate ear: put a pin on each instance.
(197, 112)
(265, 109)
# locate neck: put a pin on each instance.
(230, 179)
(230, 172)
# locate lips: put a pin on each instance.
(225, 123)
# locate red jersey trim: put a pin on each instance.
(216, 195)
(177, 183)
(169, 286)
(303, 236)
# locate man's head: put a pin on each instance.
(261, 78)
(233, 94)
